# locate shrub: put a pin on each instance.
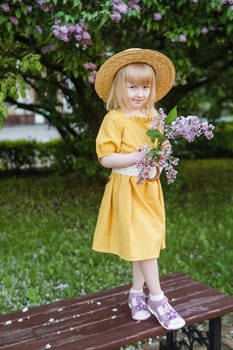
(63, 156)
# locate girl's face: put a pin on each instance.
(137, 95)
(133, 89)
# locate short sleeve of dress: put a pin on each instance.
(108, 140)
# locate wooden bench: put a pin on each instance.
(102, 320)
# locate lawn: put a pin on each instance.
(47, 224)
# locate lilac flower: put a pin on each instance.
(116, 17)
(157, 16)
(207, 130)
(78, 37)
(61, 32)
(120, 8)
(64, 30)
(67, 31)
(5, 7)
(204, 30)
(137, 8)
(39, 29)
(189, 128)
(48, 48)
(44, 6)
(41, 2)
(182, 38)
(89, 65)
(86, 36)
(159, 123)
(14, 20)
(71, 28)
(91, 77)
(78, 28)
(162, 129)
(145, 165)
(134, 5)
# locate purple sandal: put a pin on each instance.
(166, 315)
(138, 306)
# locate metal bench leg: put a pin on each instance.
(215, 333)
(169, 343)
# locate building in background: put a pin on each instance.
(18, 116)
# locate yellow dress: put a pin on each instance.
(131, 220)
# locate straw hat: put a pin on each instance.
(164, 68)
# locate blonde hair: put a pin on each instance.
(135, 73)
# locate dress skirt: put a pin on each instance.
(131, 220)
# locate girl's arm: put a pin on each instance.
(121, 160)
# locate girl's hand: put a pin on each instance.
(141, 154)
(166, 146)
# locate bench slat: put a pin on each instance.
(102, 320)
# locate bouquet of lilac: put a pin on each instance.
(169, 127)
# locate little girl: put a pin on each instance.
(131, 221)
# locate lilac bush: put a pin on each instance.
(170, 128)
(49, 42)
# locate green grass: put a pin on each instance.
(47, 224)
(199, 224)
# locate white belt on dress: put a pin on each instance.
(129, 170)
(134, 171)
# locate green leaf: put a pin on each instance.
(155, 134)
(13, 92)
(18, 13)
(154, 153)
(60, 14)
(3, 20)
(3, 112)
(2, 96)
(172, 115)
(69, 18)
(24, 10)
(9, 26)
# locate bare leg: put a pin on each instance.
(149, 269)
(138, 278)
(137, 303)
